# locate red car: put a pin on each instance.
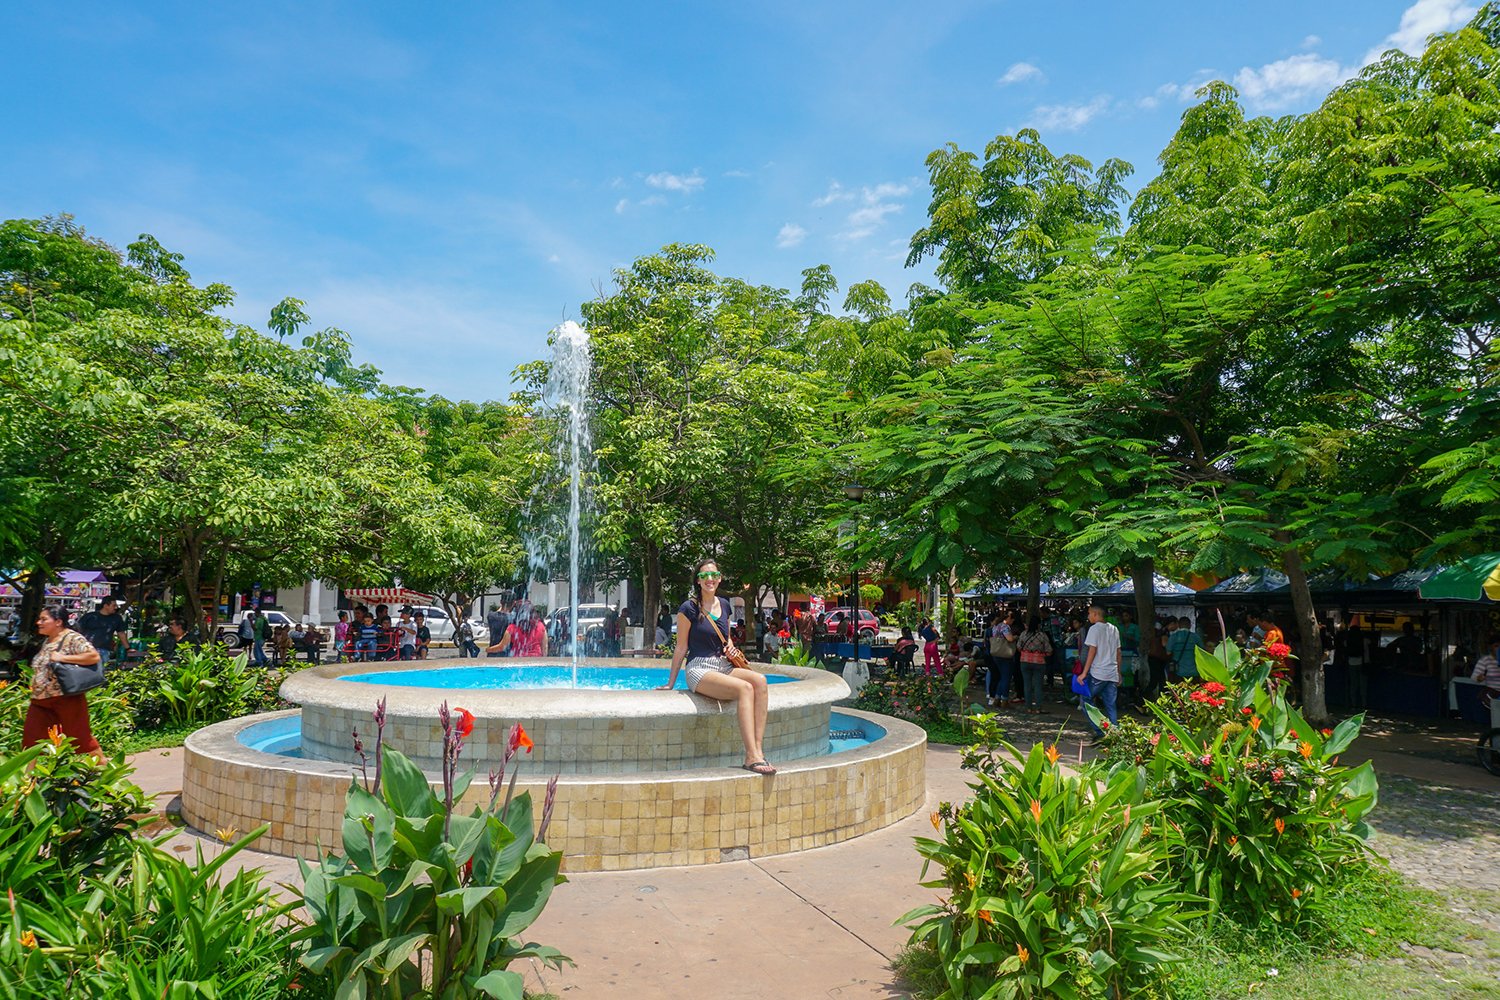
(836, 624)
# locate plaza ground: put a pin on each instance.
(819, 923)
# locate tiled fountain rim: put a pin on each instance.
(321, 685)
(221, 742)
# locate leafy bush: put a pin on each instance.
(919, 698)
(1262, 815)
(94, 911)
(203, 686)
(1057, 884)
(426, 902)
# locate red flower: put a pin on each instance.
(1278, 650)
(521, 739)
(1214, 687)
(1246, 710)
(1326, 733)
(465, 724)
(1292, 733)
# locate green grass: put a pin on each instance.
(1381, 939)
(948, 732)
(156, 739)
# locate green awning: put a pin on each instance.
(1476, 578)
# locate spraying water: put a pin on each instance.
(567, 392)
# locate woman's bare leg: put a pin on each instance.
(726, 687)
(757, 682)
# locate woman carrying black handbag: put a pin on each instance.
(64, 668)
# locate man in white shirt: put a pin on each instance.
(406, 632)
(1101, 667)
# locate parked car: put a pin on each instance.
(442, 626)
(836, 623)
(589, 616)
(229, 635)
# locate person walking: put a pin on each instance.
(1035, 648)
(245, 631)
(104, 627)
(50, 707)
(258, 633)
(704, 645)
(463, 638)
(1101, 668)
(931, 661)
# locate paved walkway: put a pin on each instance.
(819, 923)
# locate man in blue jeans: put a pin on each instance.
(1101, 668)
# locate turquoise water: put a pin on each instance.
(283, 737)
(500, 678)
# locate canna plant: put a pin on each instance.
(427, 902)
(1056, 884)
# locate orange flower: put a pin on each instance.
(55, 734)
(465, 724)
(1255, 722)
(1233, 839)
(28, 939)
(1280, 825)
(1053, 754)
(1036, 810)
(969, 878)
(519, 740)
(1296, 893)
(985, 916)
(937, 821)
(1022, 953)
(4, 685)
(1305, 749)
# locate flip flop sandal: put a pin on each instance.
(759, 767)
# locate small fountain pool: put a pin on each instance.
(532, 678)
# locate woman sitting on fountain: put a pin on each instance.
(702, 637)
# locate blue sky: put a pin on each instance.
(447, 182)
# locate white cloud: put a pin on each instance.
(1069, 117)
(1289, 80)
(791, 235)
(554, 259)
(1420, 20)
(1020, 73)
(1311, 42)
(740, 174)
(621, 206)
(875, 203)
(836, 192)
(687, 184)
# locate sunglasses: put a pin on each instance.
(710, 575)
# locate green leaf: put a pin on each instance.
(501, 984)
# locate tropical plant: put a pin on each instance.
(425, 901)
(1056, 884)
(207, 685)
(1263, 817)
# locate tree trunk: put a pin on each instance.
(1309, 642)
(1143, 578)
(1034, 585)
(950, 612)
(191, 571)
(651, 594)
(213, 611)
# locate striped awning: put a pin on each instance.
(387, 595)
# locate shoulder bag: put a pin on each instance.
(76, 678)
(732, 653)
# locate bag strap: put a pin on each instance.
(704, 611)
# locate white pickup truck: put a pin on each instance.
(229, 632)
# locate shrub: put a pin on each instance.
(94, 911)
(919, 698)
(1261, 814)
(1057, 884)
(426, 902)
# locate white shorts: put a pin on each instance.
(702, 666)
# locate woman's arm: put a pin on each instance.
(502, 645)
(680, 652)
(86, 657)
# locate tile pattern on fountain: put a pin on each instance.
(600, 822)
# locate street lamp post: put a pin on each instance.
(855, 493)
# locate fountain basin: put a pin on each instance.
(601, 822)
(575, 731)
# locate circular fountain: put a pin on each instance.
(647, 778)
